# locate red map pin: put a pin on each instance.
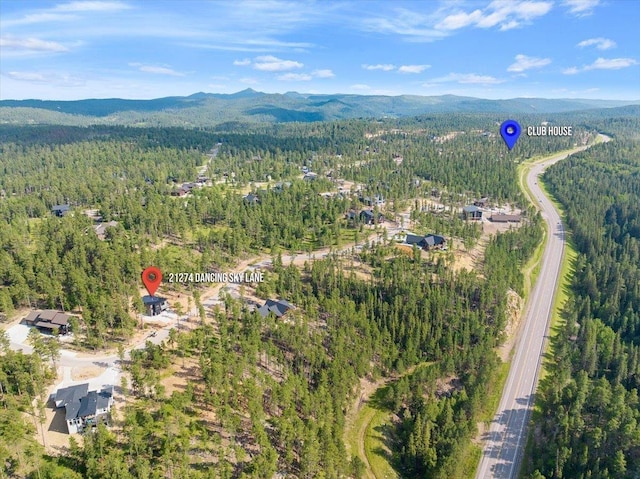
(151, 277)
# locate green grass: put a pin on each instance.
(375, 447)
(468, 461)
(372, 423)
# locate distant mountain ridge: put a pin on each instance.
(202, 109)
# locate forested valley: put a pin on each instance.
(259, 396)
(587, 425)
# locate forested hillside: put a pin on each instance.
(588, 422)
(250, 106)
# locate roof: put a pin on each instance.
(45, 325)
(32, 316)
(101, 228)
(48, 314)
(88, 404)
(434, 240)
(505, 218)
(153, 299)
(60, 319)
(279, 307)
(414, 239)
(471, 209)
(60, 208)
(70, 394)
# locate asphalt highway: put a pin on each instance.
(506, 438)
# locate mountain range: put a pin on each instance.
(206, 109)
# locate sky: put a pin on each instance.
(68, 50)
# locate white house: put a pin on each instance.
(84, 408)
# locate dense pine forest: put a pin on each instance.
(237, 395)
(588, 422)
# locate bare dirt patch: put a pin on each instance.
(88, 372)
(515, 305)
(184, 372)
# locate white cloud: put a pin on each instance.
(269, 63)
(611, 64)
(600, 43)
(466, 78)
(325, 73)
(91, 6)
(50, 78)
(158, 70)
(30, 45)
(524, 62)
(571, 71)
(413, 68)
(460, 20)
(306, 76)
(581, 8)
(506, 14)
(28, 76)
(603, 64)
(67, 12)
(242, 63)
(360, 87)
(384, 67)
(249, 81)
(412, 25)
(295, 77)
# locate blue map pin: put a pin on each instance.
(510, 131)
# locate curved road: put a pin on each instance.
(507, 436)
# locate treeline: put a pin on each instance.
(23, 382)
(588, 424)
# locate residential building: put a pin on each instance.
(154, 305)
(471, 212)
(49, 321)
(101, 228)
(505, 218)
(60, 210)
(84, 408)
(426, 242)
(278, 307)
(251, 198)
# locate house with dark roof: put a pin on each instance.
(154, 305)
(84, 408)
(60, 210)
(482, 202)
(251, 198)
(471, 212)
(49, 321)
(279, 308)
(370, 217)
(427, 242)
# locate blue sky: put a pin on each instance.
(77, 49)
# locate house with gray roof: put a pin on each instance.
(426, 242)
(278, 307)
(471, 212)
(84, 408)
